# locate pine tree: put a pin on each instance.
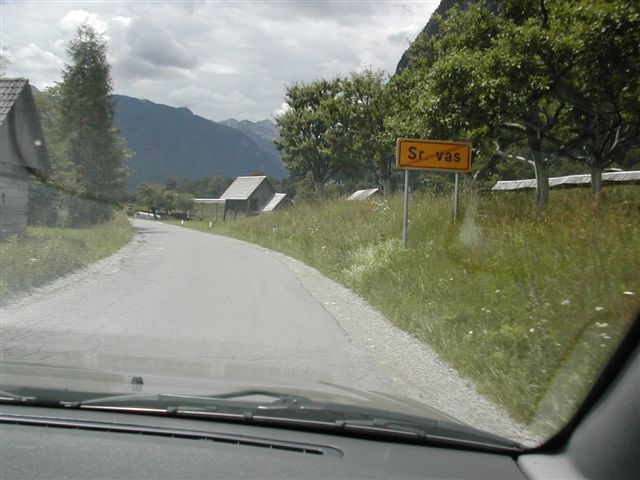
(95, 148)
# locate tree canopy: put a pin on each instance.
(549, 85)
(94, 146)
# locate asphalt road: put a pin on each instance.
(184, 300)
(180, 302)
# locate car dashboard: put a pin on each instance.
(62, 443)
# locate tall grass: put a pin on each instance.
(507, 296)
(43, 253)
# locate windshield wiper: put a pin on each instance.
(299, 412)
(230, 399)
(15, 398)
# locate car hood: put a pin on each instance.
(24, 376)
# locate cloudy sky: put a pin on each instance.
(221, 59)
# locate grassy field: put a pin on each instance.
(508, 295)
(43, 253)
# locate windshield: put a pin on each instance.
(397, 217)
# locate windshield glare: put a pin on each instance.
(349, 211)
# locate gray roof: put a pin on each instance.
(26, 131)
(10, 89)
(242, 188)
(208, 200)
(274, 202)
(514, 184)
(631, 176)
(363, 194)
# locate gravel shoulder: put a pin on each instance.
(418, 371)
(91, 273)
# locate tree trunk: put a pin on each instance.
(319, 187)
(542, 178)
(542, 184)
(596, 180)
(386, 187)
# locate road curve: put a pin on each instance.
(179, 301)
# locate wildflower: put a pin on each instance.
(531, 330)
(627, 292)
(34, 260)
(601, 324)
(498, 290)
(599, 309)
(470, 332)
(565, 302)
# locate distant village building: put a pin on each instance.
(363, 194)
(23, 153)
(245, 196)
(568, 181)
(278, 201)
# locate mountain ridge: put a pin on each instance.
(173, 142)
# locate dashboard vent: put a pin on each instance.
(239, 440)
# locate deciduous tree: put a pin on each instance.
(312, 134)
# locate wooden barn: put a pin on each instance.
(246, 196)
(23, 153)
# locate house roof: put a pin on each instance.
(219, 201)
(10, 89)
(631, 176)
(26, 131)
(242, 188)
(363, 194)
(274, 202)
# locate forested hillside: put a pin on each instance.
(170, 142)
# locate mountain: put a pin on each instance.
(265, 129)
(174, 142)
(263, 133)
(432, 28)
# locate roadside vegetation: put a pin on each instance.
(73, 216)
(43, 254)
(506, 295)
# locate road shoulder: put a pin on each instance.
(418, 371)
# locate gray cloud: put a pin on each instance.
(220, 59)
(150, 42)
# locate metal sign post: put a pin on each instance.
(456, 198)
(431, 155)
(405, 224)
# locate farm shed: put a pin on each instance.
(23, 153)
(568, 180)
(278, 201)
(209, 208)
(363, 194)
(246, 196)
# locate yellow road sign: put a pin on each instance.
(433, 155)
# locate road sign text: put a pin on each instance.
(433, 155)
